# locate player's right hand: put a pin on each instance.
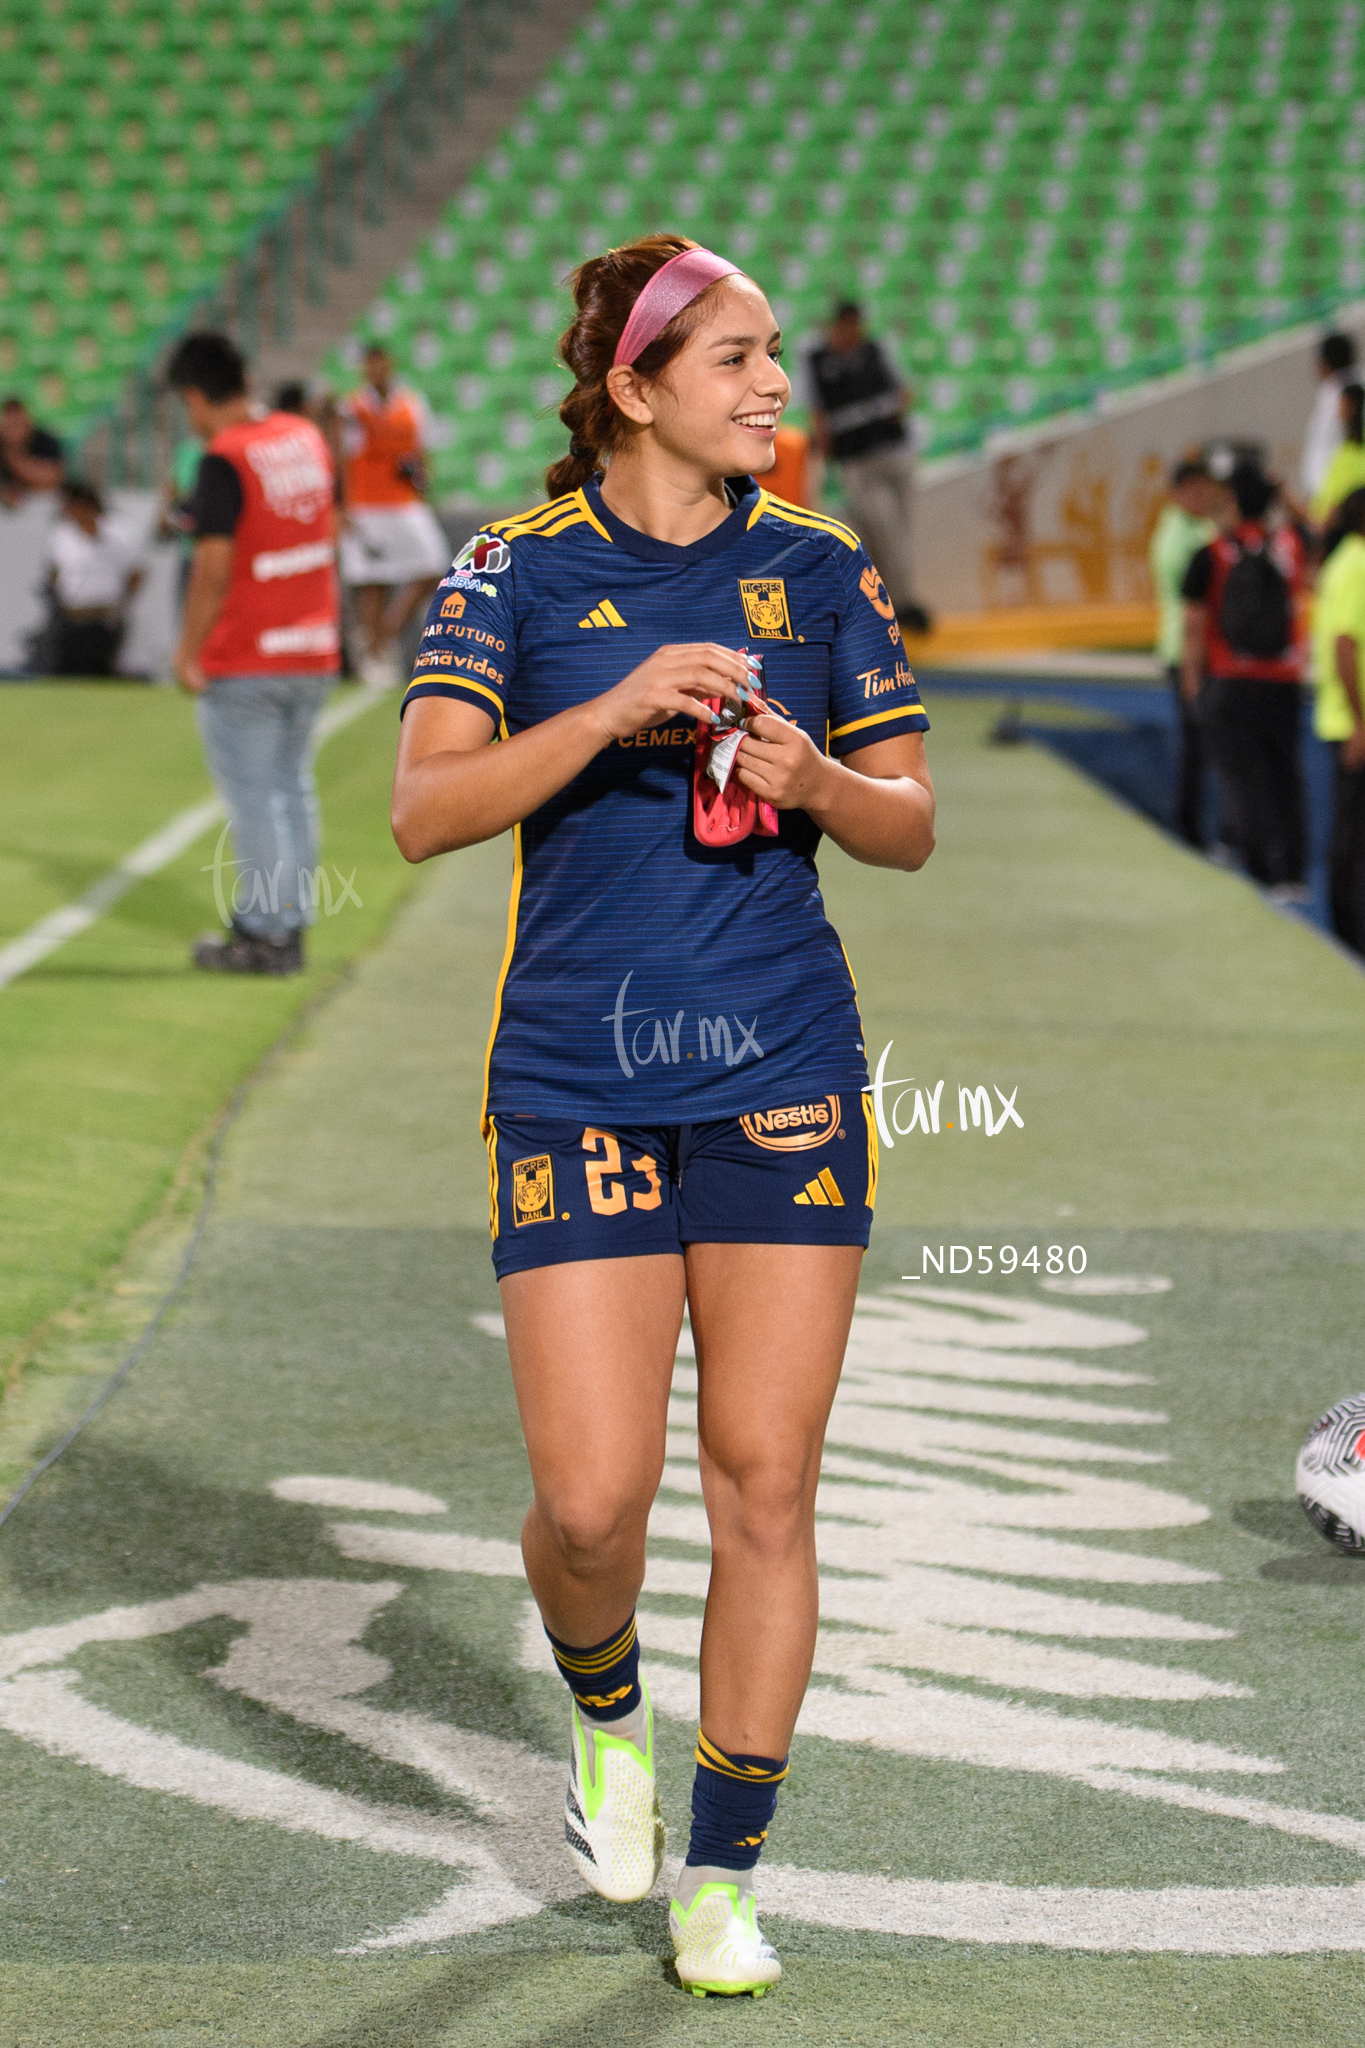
(672, 683)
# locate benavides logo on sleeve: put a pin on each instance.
(484, 555)
(794, 1129)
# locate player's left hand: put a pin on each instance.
(780, 763)
(190, 676)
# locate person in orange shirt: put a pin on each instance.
(392, 548)
(790, 477)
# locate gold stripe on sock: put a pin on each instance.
(713, 1759)
(600, 1660)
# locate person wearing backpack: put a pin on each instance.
(1243, 637)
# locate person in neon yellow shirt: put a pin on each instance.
(1339, 716)
(1346, 470)
(1184, 526)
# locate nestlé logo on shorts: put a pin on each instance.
(794, 1129)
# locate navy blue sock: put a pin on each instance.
(733, 1801)
(605, 1680)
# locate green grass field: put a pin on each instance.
(1080, 1762)
(114, 1052)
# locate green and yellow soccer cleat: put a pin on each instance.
(612, 1822)
(720, 1945)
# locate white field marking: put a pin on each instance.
(892, 1713)
(301, 1654)
(879, 1345)
(954, 1539)
(864, 1427)
(426, 1551)
(1340, 1829)
(998, 1322)
(44, 1708)
(965, 1653)
(155, 853)
(58, 926)
(461, 1910)
(900, 1715)
(360, 1495)
(1108, 1283)
(889, 1589)
(911, 1391)
(1181, 1919)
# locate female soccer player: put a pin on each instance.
(674, 1106)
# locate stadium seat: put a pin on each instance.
(171, 133)
(1027, 195)
(1019, 193)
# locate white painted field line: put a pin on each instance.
(149, 858)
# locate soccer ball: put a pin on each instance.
(1330, 1475)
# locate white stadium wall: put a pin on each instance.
(1059, 512)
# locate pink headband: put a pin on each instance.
(682, 279)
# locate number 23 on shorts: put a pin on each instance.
(606, 1181)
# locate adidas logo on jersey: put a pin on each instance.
(604, 614)
(822, 1192)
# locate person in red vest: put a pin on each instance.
(392, 548)
(259, 647)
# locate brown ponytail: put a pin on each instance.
(604, 289)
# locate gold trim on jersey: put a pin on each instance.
(491, 1140)
(797, 515)
(550, 519)
(455, 677)
(513, 906)
(529, 516)
(873, 1153)
(880, 718)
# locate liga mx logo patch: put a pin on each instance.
(484, 555)
(765, 607)
(533, 1190)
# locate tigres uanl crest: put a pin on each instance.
(533, 1190)
(765, 607)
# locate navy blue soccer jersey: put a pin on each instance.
(647, 976)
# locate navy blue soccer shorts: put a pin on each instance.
(803, 1173)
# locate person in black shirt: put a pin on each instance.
(30, 457)
(858, 405)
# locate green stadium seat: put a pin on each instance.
(946, 164)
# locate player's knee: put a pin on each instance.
(765, 1504)
(591, 1529)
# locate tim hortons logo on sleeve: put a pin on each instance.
(794, 1129)
(533, 1190)
(765, 607)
